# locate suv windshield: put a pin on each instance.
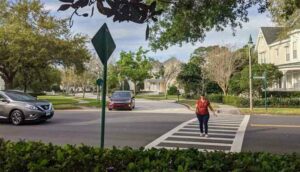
(121, 95)
(19, 96)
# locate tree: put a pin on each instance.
(134, 66)
(242, 80)
(69, 80)
(199, 58)
(48, 42)
(170, 72)
(113, 78)
(221, 64)
(190, 78)
(87, 79)
(285, 13)
(180, 21)
(38, 80)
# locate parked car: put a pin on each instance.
(121, 100)
(18, 107)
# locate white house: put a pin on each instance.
(160, 84)
(282, 50)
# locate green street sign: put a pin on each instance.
(103, 43)
(104, 46)
(99, 82)
(258, 77)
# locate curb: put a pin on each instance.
(186, 105)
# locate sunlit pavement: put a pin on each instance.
(136, 128)
(276, 134)
(164, 124)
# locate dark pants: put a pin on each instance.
(203, 119)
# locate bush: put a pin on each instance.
(217, 98)
(284, 94)
(37, 94)
(34, 156)
(172, 90)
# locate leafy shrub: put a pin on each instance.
(37, 94)
(35, 156)
(257, 102)
(172, 90)
(217, 98)
(284, 94)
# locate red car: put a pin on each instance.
(121, 100)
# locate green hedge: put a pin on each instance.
(217, 98)
(284, 94)
(244, 102)
(36, 157)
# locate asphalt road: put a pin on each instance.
(155, 120)
(136, 128)
(275, 134)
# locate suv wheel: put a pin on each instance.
(16, 117)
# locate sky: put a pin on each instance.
(129, 36)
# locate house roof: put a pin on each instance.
(170, 60)
(271, 34)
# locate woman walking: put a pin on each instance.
(202, 114)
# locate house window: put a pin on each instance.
(287, 53)
(276, 52)
(295, 50)
(263, 57)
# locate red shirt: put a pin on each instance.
(202, 107)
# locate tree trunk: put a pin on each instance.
(166, 92)
(8, 83)
(83, 92)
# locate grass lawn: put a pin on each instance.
(273, 111)
(158, 97)
(70, 102)
(189, 102)
(192, 103)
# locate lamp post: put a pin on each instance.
(250, 44)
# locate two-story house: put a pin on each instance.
(159, 84)
(282, 50)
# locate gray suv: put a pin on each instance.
(18, 107)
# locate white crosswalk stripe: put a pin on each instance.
(226, 133)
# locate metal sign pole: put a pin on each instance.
(103, 104)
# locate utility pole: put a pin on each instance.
(250, 43)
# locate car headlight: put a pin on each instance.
(51, 105)
(128, 101)
(31, 107)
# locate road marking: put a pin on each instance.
(181, 136)
(201, 138)
(196, 143)
(211, 126)
(239, 138)
(197, 129)
(166, 135)
(275, 125)
(175, 148)
(211, 133)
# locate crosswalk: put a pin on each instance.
(226, 133)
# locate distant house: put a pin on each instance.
(281, 50)
(1, 84)
(158, 83)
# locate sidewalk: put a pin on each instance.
(227, 110)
